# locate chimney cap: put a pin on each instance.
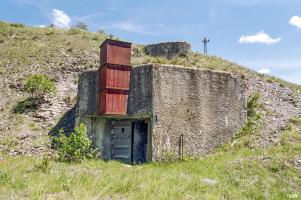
(116, 42)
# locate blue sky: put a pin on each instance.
(264, 35)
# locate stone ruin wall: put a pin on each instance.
(168, 49)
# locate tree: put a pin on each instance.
(38, 85)
(81, 25)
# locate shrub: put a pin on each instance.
(38, 85)
(24, 106)
(254, 116)
(75, 147)
(81, 25)
(17, 25)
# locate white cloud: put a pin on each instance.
(296, 21)
(41, 26)
(264, 71)
(260, 37)
(129, 27)
(60, 19)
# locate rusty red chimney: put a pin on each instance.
(114, 71)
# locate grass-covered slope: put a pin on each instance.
(239, 170)
(233, 172)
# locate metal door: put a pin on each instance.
(121, 141)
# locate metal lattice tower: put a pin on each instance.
(205, 41)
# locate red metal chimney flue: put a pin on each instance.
(114, 71)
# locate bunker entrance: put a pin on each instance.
(129, 141)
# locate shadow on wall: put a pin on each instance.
(67, 122)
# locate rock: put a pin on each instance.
(298, 163)
(209, 181)
(13, 153)
(22, 135)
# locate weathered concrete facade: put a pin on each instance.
(206, 107)
(168, 49)
(186, 111)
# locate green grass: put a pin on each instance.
(241, 173)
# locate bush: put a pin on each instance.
(25, 106)
(75, 147)
(38, 85)
(81, 25)
(17, 25)
(254, 116)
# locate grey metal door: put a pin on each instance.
(121, 141)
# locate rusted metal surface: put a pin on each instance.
(114, 77)
(115, 52)
(112, 101)
(115, 61)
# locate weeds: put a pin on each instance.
(76, 147)
(291, 134)
(296, 121)
(69, 100)
(44, 166)
(74, 31)
(169, 156)
(38, 85)
(253, 117)
(33, 126)
(50, 31)
(9, 143)
(5, 178)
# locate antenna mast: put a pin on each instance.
(205, 41)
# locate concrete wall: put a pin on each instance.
(99, 129)
(168, 49)
(140, 95)
(87, 98)
(87, 105)
(206, 107)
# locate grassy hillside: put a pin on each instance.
(242, 169)
(233, 172)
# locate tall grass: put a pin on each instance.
(239, 174)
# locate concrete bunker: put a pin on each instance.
(173, 110)
(168, 49)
